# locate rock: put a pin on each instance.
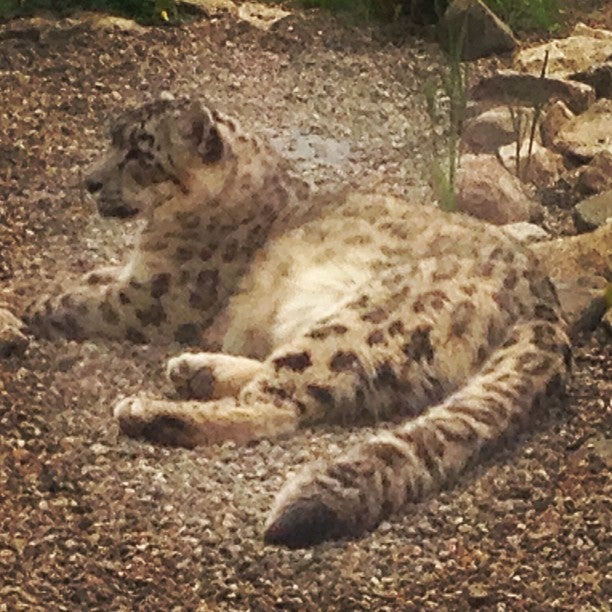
(576, 256)
(485, 33)
(594, 212)
(511, 87)
(599, 77)
(12, 339)
(597, 176)
(606, 322)
(479, 594)
(26, 29)
(542, 168)
(260, 15)
(585, 48)
(579, 267)
(110, 22)
(560, 195)
(210, 8)
(485, 189)
(494, 128)
(582, 301)
(556, 116)
(602, 448)
(586, 135)
(310, 148)
(582, 29)
(526, 233)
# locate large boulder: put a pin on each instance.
(594, 212)
(599, 77)
(485, 189)
(484, 33)
(587, 134)
(579, 267)
(540, 166)
(597, 175)
(556, 116)
(582, 301)
(257, 14)
(112, 22)
(511, 87)
(577, 256)
(260, 15)
(494, 128)
(584, 48)
(210, 8)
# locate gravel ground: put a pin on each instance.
(92, 520)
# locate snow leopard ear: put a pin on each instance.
(198, 128)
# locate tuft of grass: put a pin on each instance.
(520, 128)
(528, 15)
(453, 84)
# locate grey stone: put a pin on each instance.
(485, 33)
(593, 212)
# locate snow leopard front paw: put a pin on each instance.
(207, 376)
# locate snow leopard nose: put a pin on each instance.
(92, 185)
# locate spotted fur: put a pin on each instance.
(346, 307)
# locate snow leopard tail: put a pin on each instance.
(352, 494)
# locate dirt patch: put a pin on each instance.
(92, 520)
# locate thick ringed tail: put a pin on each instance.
(354, 493)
